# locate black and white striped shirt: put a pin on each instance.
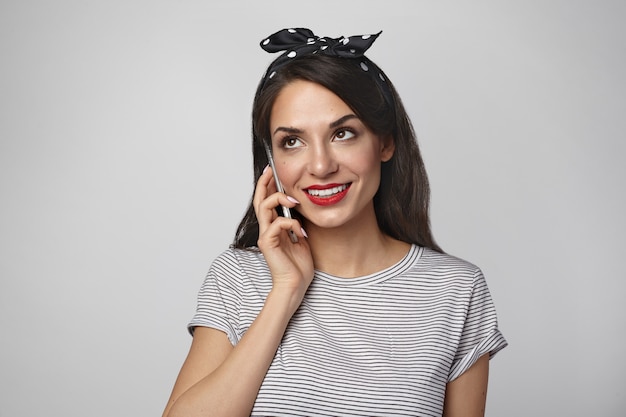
(384, 344)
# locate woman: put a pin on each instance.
(361, 313)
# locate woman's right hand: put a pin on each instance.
(225, 379)
(291, 264)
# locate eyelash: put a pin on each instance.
(284, 141)
(345, 130)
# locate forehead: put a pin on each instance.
(304, 102)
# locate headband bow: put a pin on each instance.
(301, 41)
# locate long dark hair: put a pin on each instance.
(402, 201)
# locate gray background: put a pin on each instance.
(125, 167)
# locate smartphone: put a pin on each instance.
(279, 187)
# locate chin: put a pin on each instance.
(328, 222)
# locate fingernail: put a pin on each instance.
(293, 200)
(303, 232)
(266, 167)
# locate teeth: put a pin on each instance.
(328, 192)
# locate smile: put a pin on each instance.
(328, 194)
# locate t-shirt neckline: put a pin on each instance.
(398, 268)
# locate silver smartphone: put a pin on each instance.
(279, 187)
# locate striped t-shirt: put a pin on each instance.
(384, 344)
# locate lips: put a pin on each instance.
(328, 194)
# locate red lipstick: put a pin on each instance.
(327, 194)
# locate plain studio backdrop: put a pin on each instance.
(125, 167)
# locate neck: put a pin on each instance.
(353, 250)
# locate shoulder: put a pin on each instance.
(442, 267)
(239, 258)
(433, 259)
(239, 263)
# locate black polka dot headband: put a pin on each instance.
(301, 42)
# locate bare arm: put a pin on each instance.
(218, 379)
(466, 396)
(208, 350)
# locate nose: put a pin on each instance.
(321, 162)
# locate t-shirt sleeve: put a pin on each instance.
(217, 299)
(480, 333)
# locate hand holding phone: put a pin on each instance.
(279, 187)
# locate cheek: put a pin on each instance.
(286, 173)
(364, 162)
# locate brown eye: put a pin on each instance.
(344, 134)
(292, 142)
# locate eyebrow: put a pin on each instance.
(332, 125)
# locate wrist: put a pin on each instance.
(287, 300)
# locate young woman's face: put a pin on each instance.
(325, 156)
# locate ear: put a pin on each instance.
(387, 148)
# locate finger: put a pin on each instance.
(278, 232)
(266, 209)
(264, 187)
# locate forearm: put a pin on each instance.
(231, 389)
